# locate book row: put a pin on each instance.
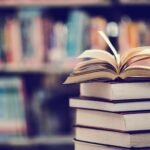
(30, 37)
(12, 108)
(27, 112)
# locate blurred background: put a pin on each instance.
(39, 41)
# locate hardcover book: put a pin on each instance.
(112, 106)
(80, 145)
(113, 138)
(122, 121)
(116, 91)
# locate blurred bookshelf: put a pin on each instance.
(62, 3)
(55, 140)
(44, 68)
(134, 2)
(39, 41)
(54, 3)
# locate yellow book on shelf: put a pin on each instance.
(102, 65)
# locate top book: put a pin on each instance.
(104, 66)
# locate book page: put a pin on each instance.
(94, 62)
(142, 60)
(89, 76)
(136, 71)
(114, 51)
(135, 55)
(101, 55)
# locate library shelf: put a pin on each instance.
(45, 140)
(5, 3)
(134, 2)
(42, 68)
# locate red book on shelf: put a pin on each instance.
(13, 41)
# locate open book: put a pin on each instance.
(100, 64)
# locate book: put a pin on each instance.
(102, 104)
(47, 24)
(113, 138)
(123, 121)
(2, 39)
(58, 49)
(97, 23)
(116, 91)
(31, 30)
(13, 41)
(76, 39)
(80, 145)
(132, 34)
(102, 65)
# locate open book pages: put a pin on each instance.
(99, 64)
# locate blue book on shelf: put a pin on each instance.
(26, 18)
(12, 108)
(77, 33)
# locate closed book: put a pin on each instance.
(114, 138)
(106, 105)
(128, 121)
(116, 90)
(80, 145)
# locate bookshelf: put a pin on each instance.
(57, 3)
(43, 68)
(134, 2)
(69, 3)
(54, 140)
(59, 14)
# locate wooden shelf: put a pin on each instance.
(134, 2)
(54, 140)
(61, 3)
(44, 68)
(5, 3)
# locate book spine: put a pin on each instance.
(76, 31)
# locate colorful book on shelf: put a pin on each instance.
(97, 23)
(58, 49)
(77, 33)
(102, 65)
(47, 25)
(2, 39)
(31, 36)
(13, 41)
(12, 108)
(132, 34)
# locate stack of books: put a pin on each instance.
(112, 115)
(113, 110)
